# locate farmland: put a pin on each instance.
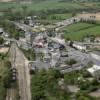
(78, 30)
(43, 5)
(49, 4)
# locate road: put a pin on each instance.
(21, 64)
(67, 22)
(59, 25)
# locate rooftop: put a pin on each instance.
(96, 52)
(94, 68)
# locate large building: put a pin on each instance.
(90, 16)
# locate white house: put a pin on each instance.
(79, 46)
(95, 71)
(58, 40)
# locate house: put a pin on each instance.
(58, 40)
(87, 39)
(39, 45)
(4, 49)
(97, 39)
(79, 46)
(89, 16)
(6, 35)
(95, 71)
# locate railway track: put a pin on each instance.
(20, 62)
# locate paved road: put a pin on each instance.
(21, 64)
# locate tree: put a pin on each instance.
(7, 79)
(24, 10)
(83, 96)
(38, 86)
(71, 62)
(73, 14)
(45, 83)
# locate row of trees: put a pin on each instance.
(5, 77)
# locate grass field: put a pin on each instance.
(79, 30)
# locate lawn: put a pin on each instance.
(79, 30)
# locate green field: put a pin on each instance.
(79, 30)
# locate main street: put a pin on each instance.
(21, 64)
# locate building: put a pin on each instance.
(6, 35)
(54, 58)
(4, 49)
(89, 16)
(39, 45)
(79, 46)
(24, 44)
(97, 39)
(95, 71)
(58, 40)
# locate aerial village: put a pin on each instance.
(44, 47)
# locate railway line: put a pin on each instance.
(20, 63)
